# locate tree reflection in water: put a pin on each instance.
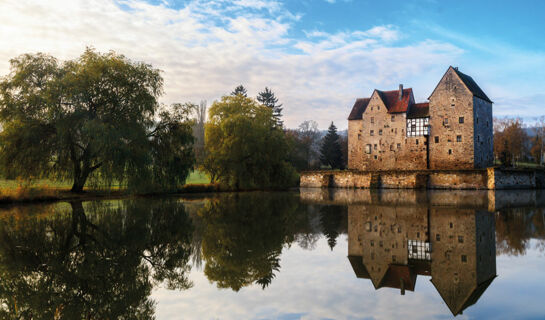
(94, 260)
(101, 259)
(244, 236)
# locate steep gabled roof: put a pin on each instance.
(392, 102)
(419, 110)
(359, 108)
(398, 275)
(472, 85)
(460, 303)
(359, 267)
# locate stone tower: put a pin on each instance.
(461, 135)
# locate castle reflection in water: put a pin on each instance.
(448, 237)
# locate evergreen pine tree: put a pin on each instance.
(240, 90)
(267, 98)
(330, 152)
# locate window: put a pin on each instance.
(378, 107)
(372, 132)
(477, 120)
(380, 132)
(391, 147)
(359, 136)
(449, 151)
(375, 146)
(393, 258)
(461, 120)
(445, 122)
(368, 149)
(438, 237)
(399, 146)
(458, 138)
(451, 226)
(436, 139)
(461, 239)
(376, 157)
(372, 119)
(395, 130)
(416, 141)
(372, 243)
(393, 118)
(464, 258)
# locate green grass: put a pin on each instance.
(197, 177)
(12, 184)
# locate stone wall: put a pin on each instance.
(491, 178)
(379, 140)
(483, 138)
(449, 102)
(511, 179)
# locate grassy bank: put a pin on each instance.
(16, 191)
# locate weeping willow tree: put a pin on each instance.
(97, 115)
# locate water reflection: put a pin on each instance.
(391, 245)
(104, 259)
(92, 261)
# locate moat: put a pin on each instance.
(308, 254)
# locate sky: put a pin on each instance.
(317, 56)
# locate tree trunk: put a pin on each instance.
(79, 182)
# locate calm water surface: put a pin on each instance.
(312, 254)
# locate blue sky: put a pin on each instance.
(318, 56)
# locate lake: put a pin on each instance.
(307, 254)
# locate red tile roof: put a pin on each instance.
(419, 110)
(392, 102)
(359, 108)
(396, 274)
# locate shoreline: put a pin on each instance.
(92, 195)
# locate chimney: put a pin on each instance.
(400, 92)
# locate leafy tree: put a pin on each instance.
(93, 260)
(240, 90)
(331, 154)
(268, 99)
(243, 150)
(93, 116)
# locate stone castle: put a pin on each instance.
(389, 131)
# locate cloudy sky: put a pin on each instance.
(316, 55)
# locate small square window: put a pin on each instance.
(376, 157)
(359, 136)
(445, 121)
(375, 146)
(458, 138)
(461, 120)
(378, 107)
(416, 141)
(438, 237)
(372, 243)
(436, 139)
(368, 149)
(380, 132)
(451, 226)
(393, 118)
(391, 147)
(399, 146)
(372, 132)
(461, 239)
(449, 151)
(372, 119)
(464, 258)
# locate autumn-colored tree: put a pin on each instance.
(510, 140)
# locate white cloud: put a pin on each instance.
(208, 47)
